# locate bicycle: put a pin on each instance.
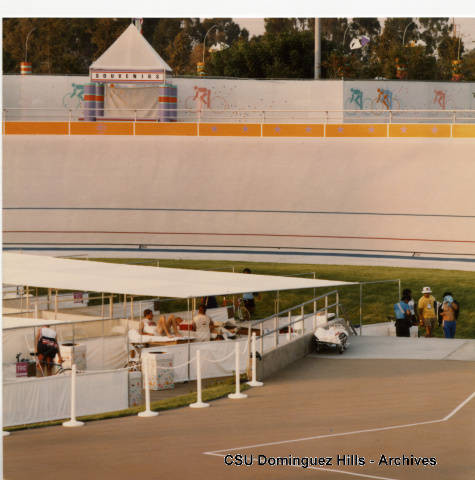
(241, 313)
(58, 367)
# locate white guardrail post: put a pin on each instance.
(73, 422)
(199, 401)
(254, 382)
(147, 412)
(238, 393)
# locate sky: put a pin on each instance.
(255, 26)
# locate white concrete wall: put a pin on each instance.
(54, 92)
(399, 195)
(47, 91)
(440, 97)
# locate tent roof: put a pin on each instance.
(50, 272)
(131, 51)
(10, 323)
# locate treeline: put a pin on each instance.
(407, 48)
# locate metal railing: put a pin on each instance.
(300, 308)
(237, 115)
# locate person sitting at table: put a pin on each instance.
(169, 326)
(47, 348)
(202, 325)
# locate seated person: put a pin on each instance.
(47, 348)
(202, 325)
(165, 326)
(170, 325)
(148, 326)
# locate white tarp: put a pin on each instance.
(32, 400)
(131, 103)
(131, 51)
(50, 272)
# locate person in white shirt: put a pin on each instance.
(202, 325)
(148, 326)
(166, 326)
(47, 348)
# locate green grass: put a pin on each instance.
(219, 390)
(378, 300)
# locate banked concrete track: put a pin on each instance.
(370, 201)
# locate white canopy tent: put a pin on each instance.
(131, 71)
(50, 272)
(130, 51)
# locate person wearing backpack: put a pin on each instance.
(403, 314)
(448, 314)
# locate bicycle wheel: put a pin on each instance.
(245, 314)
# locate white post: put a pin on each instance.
(73, 422)
(303, 319)
(199, 401)
(56, 304)
(111, 306)
(254, 382)
(326, 308)
(276, 331)
(337, 307)
(315, 315)
(147, 412)
(238, 393)
(289, 328)
(36, 309)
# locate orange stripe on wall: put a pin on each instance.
(230, 129)
(167, 99)
(89, 97)
(36, 128)
(463, 131)
(417, 130)
(185, 129)
(355, 130)
(292, 130)
(102, 128)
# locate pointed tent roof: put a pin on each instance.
(130, 51)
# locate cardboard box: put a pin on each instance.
(74, 353)
(135, 389)
(160, 370)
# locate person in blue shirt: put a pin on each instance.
(403, 317)
(249, 298)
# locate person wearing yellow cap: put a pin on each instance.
(427, 308)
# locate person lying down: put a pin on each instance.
(165, 327)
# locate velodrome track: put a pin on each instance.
(372, 201)
(315, 407)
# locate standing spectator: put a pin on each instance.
(202, 324)
(427, 308)
(407, 292)
(249, 298)
(448, 314)
(210, 302)
(403, 314)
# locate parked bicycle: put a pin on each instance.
(241, 313)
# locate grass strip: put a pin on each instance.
(214, 392)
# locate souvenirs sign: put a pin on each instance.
(124, 76)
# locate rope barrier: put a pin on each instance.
(176, 366)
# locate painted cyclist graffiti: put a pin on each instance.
(72, 100)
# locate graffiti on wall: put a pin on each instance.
(73, 98)
(381, 99)
(203, 98)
